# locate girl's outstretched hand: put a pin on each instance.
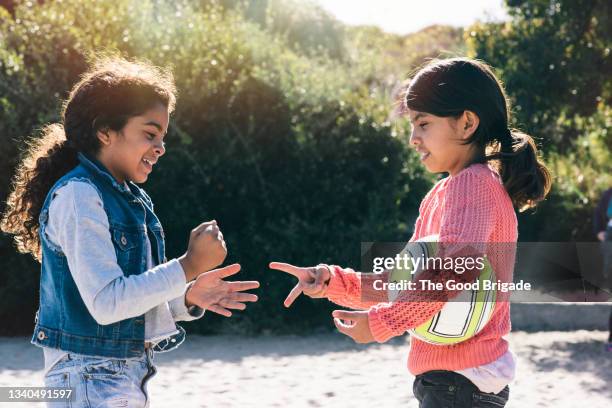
(312, 281)
(354, 324)
(209, 291)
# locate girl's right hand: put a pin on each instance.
(206, 250)
(312, 281)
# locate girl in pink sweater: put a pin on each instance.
(459, 115)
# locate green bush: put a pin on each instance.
(581, 176)
(554, 57)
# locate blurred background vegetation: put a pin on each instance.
(284, 131)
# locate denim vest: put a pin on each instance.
(62, 320)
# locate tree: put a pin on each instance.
(554, 57)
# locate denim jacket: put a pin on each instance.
(63, 320)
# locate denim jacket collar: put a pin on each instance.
(98, 169)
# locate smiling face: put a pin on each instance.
(438, 140)
(130, 153)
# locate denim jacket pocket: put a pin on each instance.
(126, 247)
(125, 240)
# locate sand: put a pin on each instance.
(556, 369)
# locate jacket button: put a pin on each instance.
(123, 240)
(41, 335)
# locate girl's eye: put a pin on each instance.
(422, 125)
(150, 136)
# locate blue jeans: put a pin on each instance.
(447, 389)
(102, 381)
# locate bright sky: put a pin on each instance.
(407, 16)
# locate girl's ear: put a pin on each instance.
(103, 136)
(470, 122)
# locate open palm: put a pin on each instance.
(209, 291)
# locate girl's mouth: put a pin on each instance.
(148, 164)
(423, 155)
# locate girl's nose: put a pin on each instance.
(414, 140)
(160, 149)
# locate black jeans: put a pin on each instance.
(447, 389)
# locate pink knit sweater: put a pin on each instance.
(470, 207)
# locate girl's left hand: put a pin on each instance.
(210, 292)
(354, 324)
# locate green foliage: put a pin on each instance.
(554, 57)
(385, 60)
(581, 175)
(306, 27)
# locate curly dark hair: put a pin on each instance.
(105, 98)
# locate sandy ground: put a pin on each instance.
(556, 369)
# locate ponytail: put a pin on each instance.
(45, 160)
(525, 177)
